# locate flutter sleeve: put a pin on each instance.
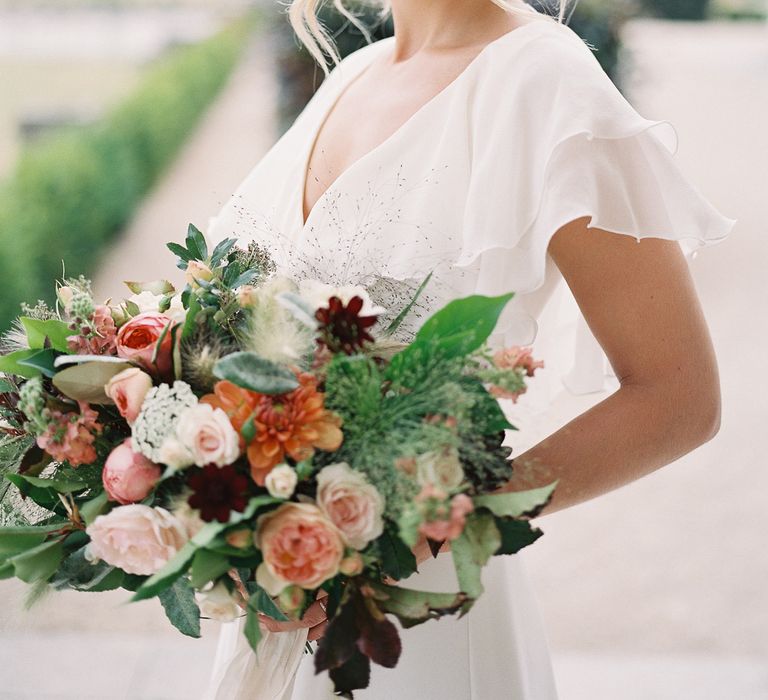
(553, 140)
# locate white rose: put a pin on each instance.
(281, 481)
(218, 604)
(440, 468)
(351, 503)
(146, 301)
(318, 293)
(209, 436)
(174, 454)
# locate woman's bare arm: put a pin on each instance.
(641, 305)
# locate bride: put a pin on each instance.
(483, 142)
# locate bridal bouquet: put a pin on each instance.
(251, 443)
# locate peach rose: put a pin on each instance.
(128, 389)
(129, 476)
(137, 339)
(136, 538)
(208, 435)
(450, 528)
(351, 503)
(300, 546)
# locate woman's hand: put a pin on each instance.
(315, 618)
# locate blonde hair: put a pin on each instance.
(303, 15)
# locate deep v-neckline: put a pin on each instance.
(342, 89)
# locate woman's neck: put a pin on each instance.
(436, 25)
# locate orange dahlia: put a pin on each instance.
(292, 424)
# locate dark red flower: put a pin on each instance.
(218, 491)
(342, 328)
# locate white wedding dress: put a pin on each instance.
(531, 135)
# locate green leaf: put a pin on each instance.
(44, 497)
(179, 563)
(180, 606)
(299, 308)
(414, 607)
(220, 251)
(463, 325)
(38, 563)
(14, 540)
(516, 504)
(207, 566)
(86, 382)
(487, 415)
(397, 559)
(252, 628)
(52, 483)
(471, 551)
(6, 571)
(397, 322)
(263, 603)
(132, 308)
(159, 342)
(196, 243)
(515, 535)
(248, 431)
(43, 361)
(180, 251)
(249, 371)
(80, 574)
(38, 330)
(158, 287)
(192, 311)
(91, 509)
(10, 364)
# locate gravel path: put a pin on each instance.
(655, 592)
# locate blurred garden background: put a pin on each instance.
(123, 120)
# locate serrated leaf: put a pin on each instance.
(38, 330)
(515, 535)
(471, 551)
(86, 382)
(515, 504)
(249, 371)
(413, 607)
(180, 606)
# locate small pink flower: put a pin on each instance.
(100, 338)
(138, 338)
(450, 527)
(300, 546)
(136, 538)
(129, 476)
(70, 436)
(517, 357)
(128, 389)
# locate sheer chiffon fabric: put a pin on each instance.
(531, 135)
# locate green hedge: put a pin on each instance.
(71, 193)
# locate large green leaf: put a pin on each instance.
(79, 573)
(38, 330)
(397, 559)
(38, 563)
(14, 540)
(463, 325)
(196, 244)
(252, 628)
(471, 551)
(44, 361)
(94, 507)
(11, 364)
(207, 566)
(515, 504)
(515, 534)
(249, 371)
(262, 601)
(85, 382)
(180, 606)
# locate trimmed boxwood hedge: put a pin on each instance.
(72, 192)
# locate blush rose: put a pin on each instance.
(128, 389)
(208, 435)
(351, 503)
(300, 546)
(136, 538)
(128, 476)
(138, 338)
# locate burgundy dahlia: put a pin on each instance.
(218, 491)
(342, 328)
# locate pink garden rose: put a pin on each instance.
(137, 339)
(351, 503)
(128, 389)
(136, 538)
(300, 546)
(129, 476)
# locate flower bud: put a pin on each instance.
(241, 538)
(246, 295)
(291, 600)
(197, 270)
(352, 565)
